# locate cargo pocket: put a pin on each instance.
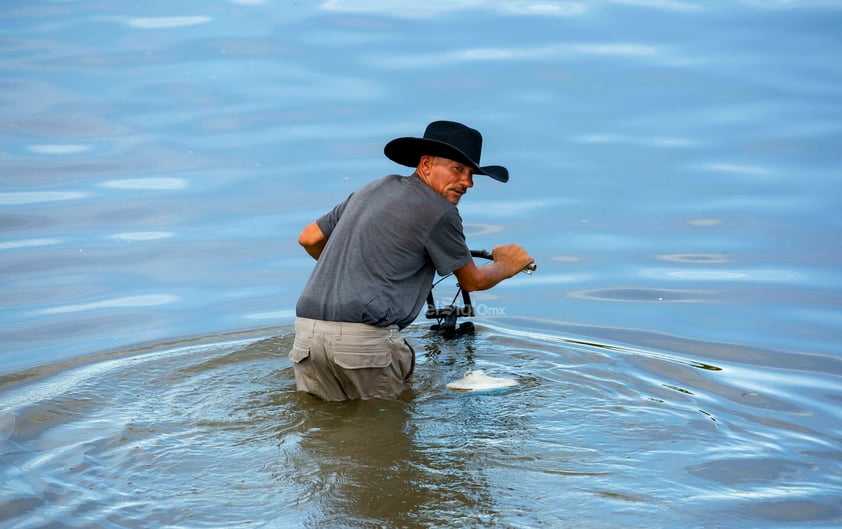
(299, 352)
(362, 352)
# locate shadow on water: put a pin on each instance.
(212, 432)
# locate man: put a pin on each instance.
(377, 254)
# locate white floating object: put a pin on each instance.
(477, 380)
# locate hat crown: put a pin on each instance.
(460, 136)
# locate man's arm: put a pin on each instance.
(508, 261)
(313, 240)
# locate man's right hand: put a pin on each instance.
(513, 257)
(509, 259)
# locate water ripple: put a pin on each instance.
(146, 300)
(221, 422)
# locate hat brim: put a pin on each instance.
(408, 152)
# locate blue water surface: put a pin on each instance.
(676, 174)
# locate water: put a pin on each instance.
(675, 172)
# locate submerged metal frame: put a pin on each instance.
(446, 316)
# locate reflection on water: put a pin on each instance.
(59, 149)
(132, 301)
(10, 245)
(705, 222)
(147, 183)
(37, 197)
(770, 276)
(166, 22)
(675, 173)
(642, 294)
(142, 235)
(701, 258)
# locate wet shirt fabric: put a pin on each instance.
(386, 242)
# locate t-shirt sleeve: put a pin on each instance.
(446, 244)
(328, 221)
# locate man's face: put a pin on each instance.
(448, 178)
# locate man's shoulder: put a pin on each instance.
(395, 185)
(410, 191)
(383, 181)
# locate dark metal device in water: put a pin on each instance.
(447, 315)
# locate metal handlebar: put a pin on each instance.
(528, 269)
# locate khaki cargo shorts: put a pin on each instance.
(343, 361)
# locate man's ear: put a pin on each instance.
(425, 165)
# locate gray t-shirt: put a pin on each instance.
(385, 243)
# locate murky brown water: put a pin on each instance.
(596, 434)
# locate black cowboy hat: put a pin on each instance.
(447, 139)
